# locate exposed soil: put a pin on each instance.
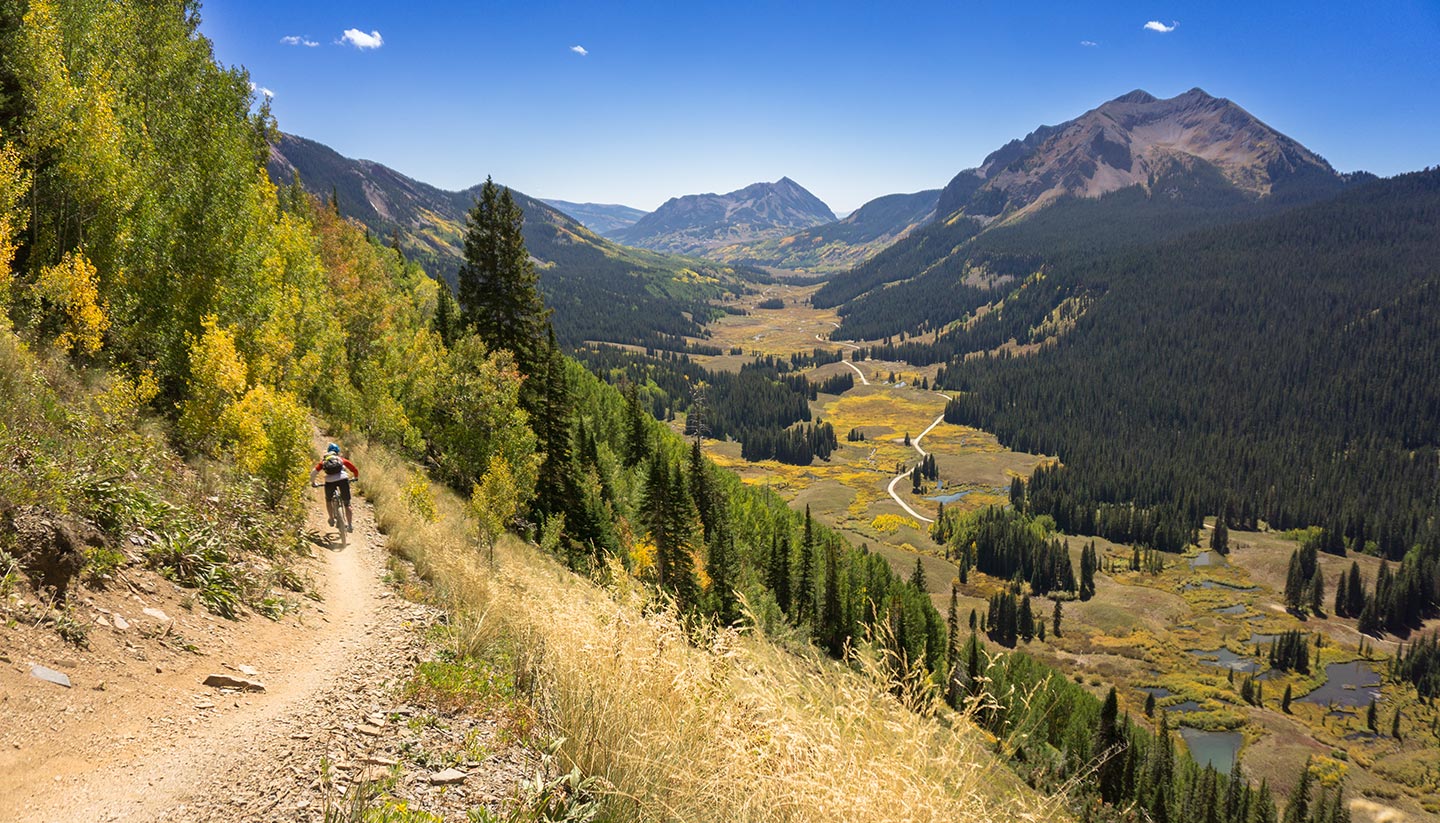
(138, 736)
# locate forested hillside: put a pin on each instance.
(1116, 176)
(1284, 369)
(649, 299)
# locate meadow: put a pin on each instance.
(1190, 634)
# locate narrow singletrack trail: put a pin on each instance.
(166, 747)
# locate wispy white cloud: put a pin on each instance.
(1156, 25)
(262, 90)
(580, 50)
(1089, 44)
(298, 40)
(361, 40)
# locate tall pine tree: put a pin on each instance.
(499, 290)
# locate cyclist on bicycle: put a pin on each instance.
(338, 473)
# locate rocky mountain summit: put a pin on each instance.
(1192, 141)
(697, 222)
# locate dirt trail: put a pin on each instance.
(915, 442)
(156, 744)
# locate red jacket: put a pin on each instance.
(349, 469)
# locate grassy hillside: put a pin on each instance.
(605, 219)
(649, 298)
(678, 722)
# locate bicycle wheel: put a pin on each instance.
(341, 523)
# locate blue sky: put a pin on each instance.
(852, 100)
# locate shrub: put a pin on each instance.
(266, 434)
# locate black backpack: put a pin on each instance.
(332, 464)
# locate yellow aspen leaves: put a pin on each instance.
(493, 504)
(70, 291)
(217, 378)
(14, 183)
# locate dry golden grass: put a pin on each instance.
(727, 728)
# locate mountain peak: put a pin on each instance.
(1136, 96)
(696, 223)
(1192, 139)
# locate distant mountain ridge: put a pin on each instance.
(650, 299)
(605, 219)
(844, 243)
(696, 223)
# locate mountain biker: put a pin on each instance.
(338, 473)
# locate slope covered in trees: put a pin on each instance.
(1285, 369)
(648, 298)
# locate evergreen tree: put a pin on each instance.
(1149, 704)
(1088, 562)
(1285, 701)
(447, 314)
(498, 287)
(1354, 591)
(1295, 581)
(1026, 620)
(637, 430)
(1372, 717)
(548, 392)
(1264, 808)
(1395, 724)
(805, 580)
(670, 518)
(1017, 493)
(1297, 806)
(1317, 593)
(952, 625)
(974, 671)
(1110, 745)
(708, 502)
(917, 577)
(1220, 536)
(1055, 620)
(832, 631)
(778, 576)
(723, 567)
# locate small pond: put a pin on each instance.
(1347, 684)
(1181, 708)
(950, 498)
(1206, 558)
(1238, 608)
(1226, 659)
(1218, 749)
(1157, 691)
(1263, 639)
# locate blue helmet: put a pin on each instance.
(332, 449)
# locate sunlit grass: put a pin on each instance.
(720, 726)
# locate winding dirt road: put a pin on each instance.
(915, 443)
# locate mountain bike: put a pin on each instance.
(336, 510)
